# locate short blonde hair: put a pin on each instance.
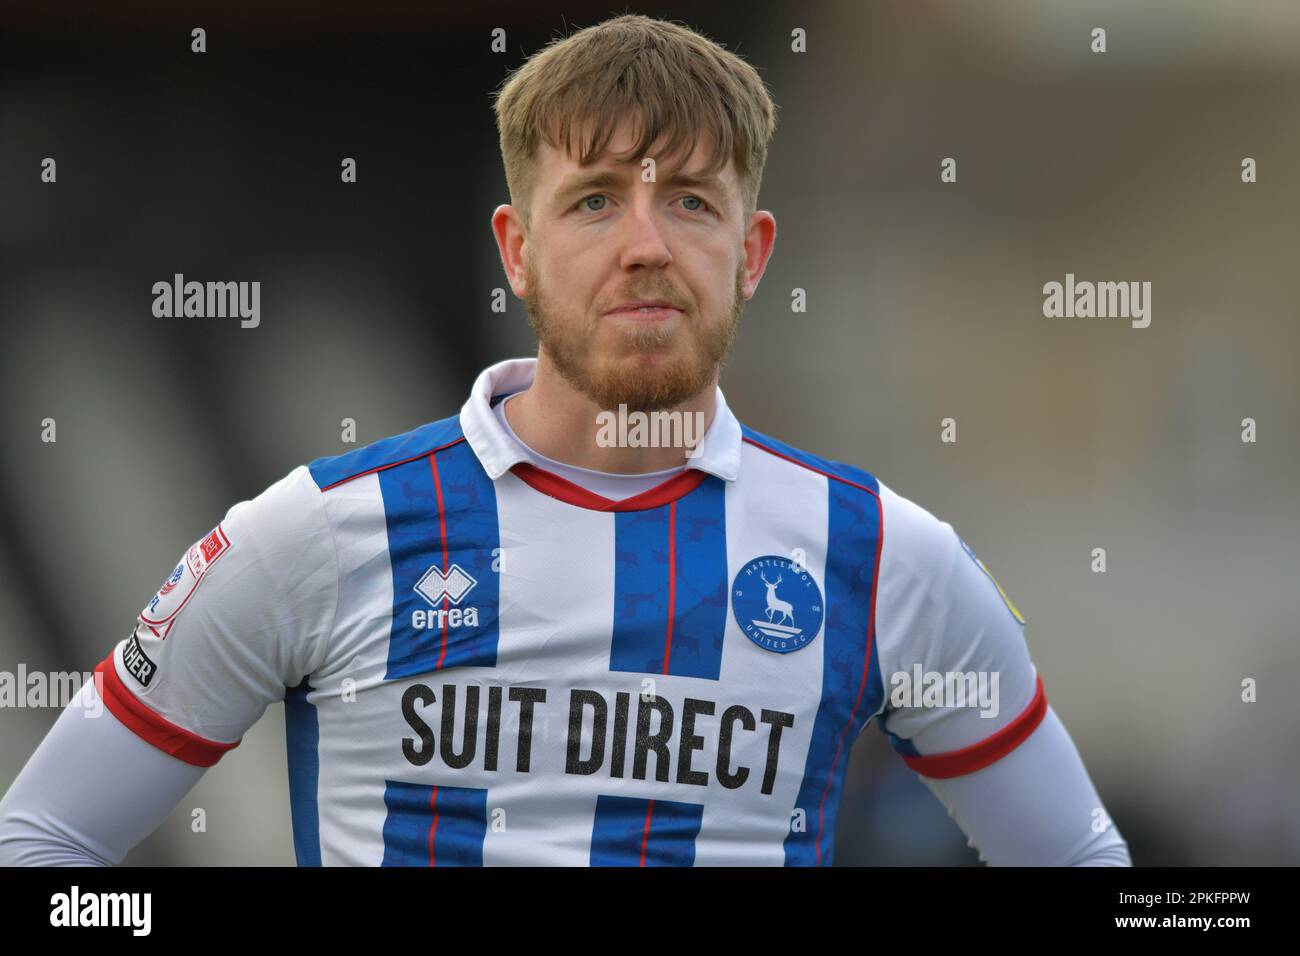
(676, 84)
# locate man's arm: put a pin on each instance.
(1002, 764)
(90, 792)
(244, 614)
(1034, 807)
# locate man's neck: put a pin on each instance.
(556, 420)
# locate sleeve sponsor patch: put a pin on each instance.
(176, 591)
(137, 663)
(980, 564)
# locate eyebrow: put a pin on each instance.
(607, 178)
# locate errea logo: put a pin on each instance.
(441, 588)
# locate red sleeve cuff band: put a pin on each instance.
(955, 763)
(149, 726)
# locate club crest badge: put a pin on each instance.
(777, 604)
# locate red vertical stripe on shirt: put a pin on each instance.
(442, 530)
(433, 827)
(645, 833)
(862, 684)
(672, 581)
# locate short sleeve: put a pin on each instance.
(244, 614)
(960, 689)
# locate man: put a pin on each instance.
(531, 634)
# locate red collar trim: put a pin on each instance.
(549, 483)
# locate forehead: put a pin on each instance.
(556, 168)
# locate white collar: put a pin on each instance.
(719, 452)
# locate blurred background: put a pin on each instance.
(924, 302)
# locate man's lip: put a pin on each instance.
(636, 308)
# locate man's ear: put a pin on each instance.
(511, 236)
(760, 237)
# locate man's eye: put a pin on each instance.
(584, 203)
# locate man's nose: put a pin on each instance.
(642, 237)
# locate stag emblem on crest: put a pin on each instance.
(777, 604)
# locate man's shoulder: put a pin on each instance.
(914, 537)
(839, 471)
(333, 470)
(924, 554)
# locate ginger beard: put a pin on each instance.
(680, 370)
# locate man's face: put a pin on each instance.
(601, 237)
